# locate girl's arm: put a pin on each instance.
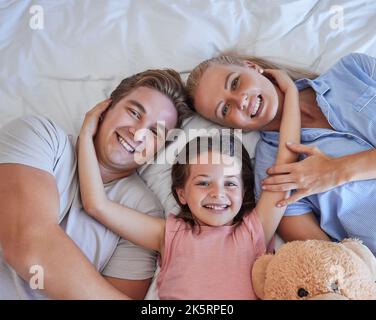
(135, 226)
(269, 214)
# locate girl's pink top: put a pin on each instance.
(213, 264)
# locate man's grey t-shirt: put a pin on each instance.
(38, 142)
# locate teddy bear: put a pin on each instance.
(317, 270)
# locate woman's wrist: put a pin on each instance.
(342, 171)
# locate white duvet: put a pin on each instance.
(59, 58)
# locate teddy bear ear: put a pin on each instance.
(259, 274)
(363, 252)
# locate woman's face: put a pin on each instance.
(236, 97)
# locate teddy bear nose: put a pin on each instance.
(334, 287)
(302, 292)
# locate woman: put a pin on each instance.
(337, 114)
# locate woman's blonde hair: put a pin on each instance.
(227, 59)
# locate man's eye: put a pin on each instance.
(134, 113)
(234, 83)
(225, 110)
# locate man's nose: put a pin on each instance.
(132, 130)
(140, 134)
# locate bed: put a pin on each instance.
(59, 58)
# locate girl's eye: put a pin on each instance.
(234, 83)
(134, 113)
(225, 110)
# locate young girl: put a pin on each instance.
(208, 250)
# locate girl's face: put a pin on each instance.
(236, 97)
(213, 192)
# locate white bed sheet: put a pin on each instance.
(86, 47)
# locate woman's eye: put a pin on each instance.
(234, 83)
(231, 184)
(225, 110)
(202, 183)
(134, 113)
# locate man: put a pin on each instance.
(44, 232)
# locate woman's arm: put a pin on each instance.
(328, 172)
(269, 214)
(137, 227)
(301, 227)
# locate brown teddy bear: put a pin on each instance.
(315, 269)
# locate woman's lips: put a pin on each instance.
(257, 105)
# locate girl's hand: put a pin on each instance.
(283, 80)
(90, 124)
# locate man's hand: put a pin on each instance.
(317, 173)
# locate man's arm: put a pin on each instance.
(30, 235)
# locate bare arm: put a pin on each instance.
(301, 227)
(135, 289)
(269, 214)
(130, 224)
(30, 235)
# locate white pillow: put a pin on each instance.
(158, 174)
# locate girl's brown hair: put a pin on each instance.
(229, 145)
(238, 60)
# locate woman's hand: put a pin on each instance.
(285, 83)
(90, 124)
(316, 173)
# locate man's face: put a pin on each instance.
(129, 132)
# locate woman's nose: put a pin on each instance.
(241, 101)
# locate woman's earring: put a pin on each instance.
(261, 71)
